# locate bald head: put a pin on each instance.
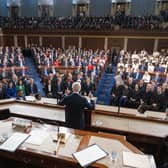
(76, 87)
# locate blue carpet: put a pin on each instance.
(32, 72)
(104, 88)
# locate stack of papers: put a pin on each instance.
(13, 142)
(30, 98)
(37, 137)
(137, 160)
(89, 155)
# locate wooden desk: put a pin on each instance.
(14, 68)
(43, 155)
(102, 118)
(149, 115)
(147, 133)
(61, 69)
(129, 120)
(36, 111)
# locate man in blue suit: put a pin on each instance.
(74, 107)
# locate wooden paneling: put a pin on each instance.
(115, 43)
(54, 41)
(33, 40)
(8, 40)
(93, 43)
(21, 41)
(137, 40)
(163, 44)
(139, 44)
(71, 41)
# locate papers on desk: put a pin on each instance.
(14, 141)
(138, 161)
(89, 155)
(30, 98)
(37, 137)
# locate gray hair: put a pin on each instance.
(76, 87)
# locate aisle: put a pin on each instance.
(32, 72)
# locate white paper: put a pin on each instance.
(13, 142)
(30, 98)
(136, 160)
(89, 155)
(37, 137)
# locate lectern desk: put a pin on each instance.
(43, 155)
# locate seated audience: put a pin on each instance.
(20, 95)
(116, 22)
(21, 86)
(11, 90)
(31, 88)
(2, 91)
(145, 79)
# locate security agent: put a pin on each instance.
(74, 107)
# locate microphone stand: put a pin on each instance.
(119, 108)
(119, 105)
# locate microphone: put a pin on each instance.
(119, 105)
(118, 108)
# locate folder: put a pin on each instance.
(14, 141)
(89, 155)
(138, 161)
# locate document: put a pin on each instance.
(37, 137)
(14, 141)
(30, 98)
(138, 160)
(89, 155)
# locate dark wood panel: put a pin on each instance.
(115, 43)
(163, 44)
(139, 44)
(33, 40)
(8, 40)
(52, 41)
(21, 41)
(123, 32)
(93, 43)
(71, 41)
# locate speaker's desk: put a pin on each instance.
(44, 156)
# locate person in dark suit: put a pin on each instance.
(20, 95)
(74, 107)
(57, 88)
(2, 91)
(31, 88)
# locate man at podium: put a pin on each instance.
(74, 107)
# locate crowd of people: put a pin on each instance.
(87, 23)
(13, 79)
(141, 80)
(89, 65)
(10, 57)
(17, 87)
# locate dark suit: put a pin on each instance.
(31, 89)
(74, 110)
(2, 93)
(57, 89)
